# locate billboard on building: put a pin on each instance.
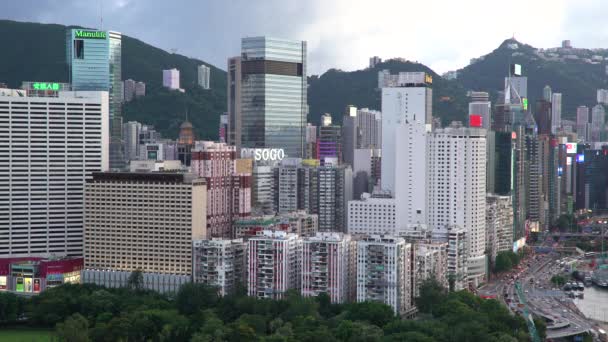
(475, 120)
(3, 281)
(571, 148)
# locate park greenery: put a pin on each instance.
(197, 313)
(558, 280)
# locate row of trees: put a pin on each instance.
(505, 261)
(196, 313)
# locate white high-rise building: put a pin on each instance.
(49, 148)
(499, 224)
(371, 215)
(602, 96)
(384, 272)
(219, 263)
(406, 121)
(556, 112)
(171, 79)
(457, 189)
(204, 72)
(327, 266)
(273, 264)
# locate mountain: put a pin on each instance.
(575, 73)
(36, 52)
(335, 89)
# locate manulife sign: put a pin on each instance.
(90, 34)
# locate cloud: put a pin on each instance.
(443, 34)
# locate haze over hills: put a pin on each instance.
(576, 77)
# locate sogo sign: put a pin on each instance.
(263, 153)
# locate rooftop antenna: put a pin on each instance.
(101, 15)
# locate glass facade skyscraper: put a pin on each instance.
(95, 63)
(271, 94)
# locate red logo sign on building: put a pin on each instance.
(475, 120)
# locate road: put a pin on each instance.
(541, 297)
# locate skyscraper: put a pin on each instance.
(131, 132)
(49, 147)
(480, 110)
(582, 123)
(547, 93)
(406, 121)
(267, 95)
(329, 144)
(598, 115)
(556, 112)
(203, 73)
(457, 177)
(94, 61)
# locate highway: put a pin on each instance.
(541, 297)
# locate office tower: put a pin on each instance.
(547, 93)
(480, 110)
(457, 177)
(219, 263)
(131, 224)
(140, 89)
(329, 144)
(499, 224)
(171, 79)
(598, 115)
(534, 180)
(556, 112)
(323, 190)
(49, 147)
(267, 87)
(372, 215)
(406, 121)
(591, 182)
(373, 61)
(228, 188)
(262, 188)
(223, 129)
(366, 170)
(131, 131)
(582, 122)
(519, 88)
(361, 129)
(328, 266)
(456, 238)
(273, 264)
(310, 142)
(185, 142)
(543, 116)
(94, 61)
(384, 271)
(203, 73)
(233, 95)
(602, 96)
(430, 262)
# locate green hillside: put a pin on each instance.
(576, 80)
(36, 52)
(335, 89)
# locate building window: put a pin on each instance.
(78, 49)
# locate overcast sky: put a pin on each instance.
(443, 34)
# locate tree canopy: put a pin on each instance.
(198, 313)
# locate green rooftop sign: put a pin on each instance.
(45, 86)
(90, 34)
